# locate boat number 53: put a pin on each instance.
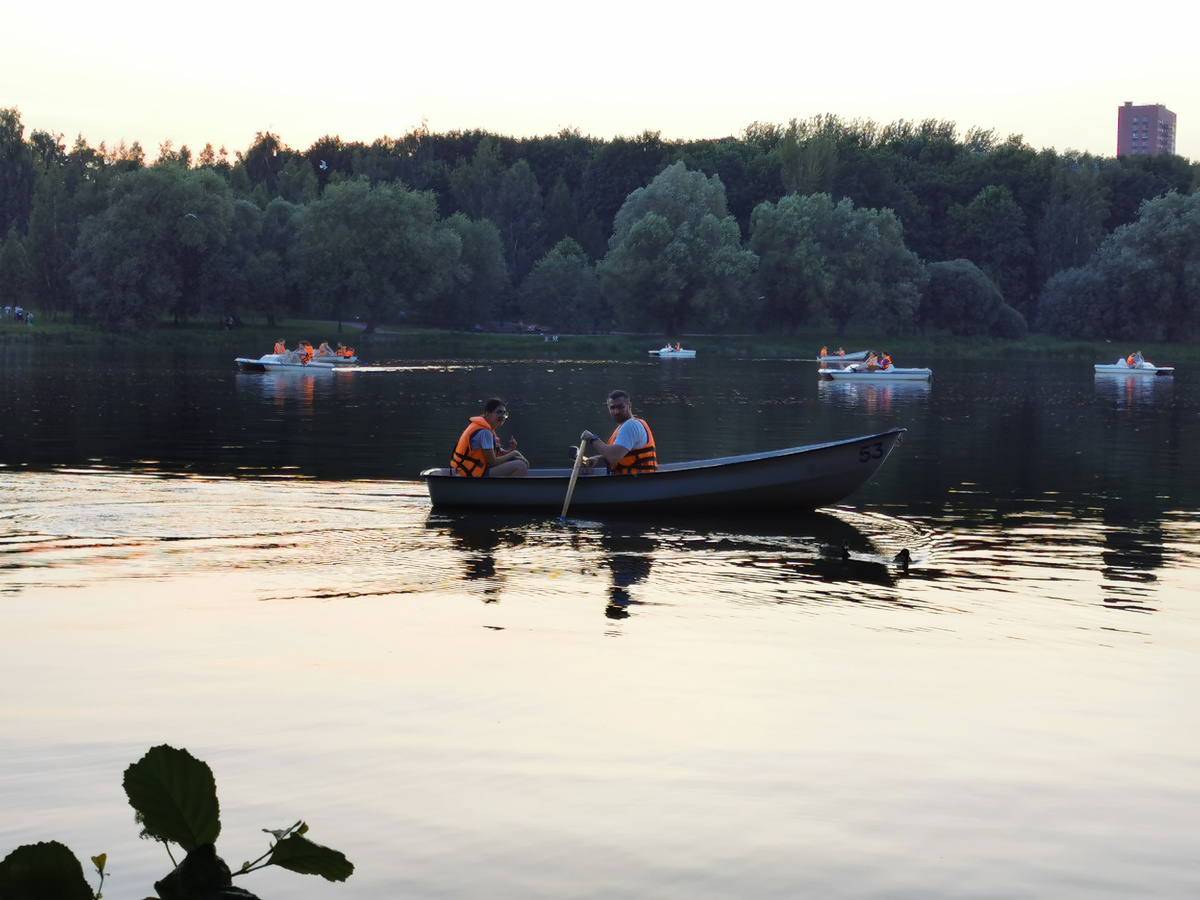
(870, 452)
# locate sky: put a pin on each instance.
(1051, 72)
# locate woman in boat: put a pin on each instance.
(475, 454)
(280, 347)
(630, 450)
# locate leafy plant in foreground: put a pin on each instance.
(174, 797)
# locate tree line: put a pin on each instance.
(823, 222)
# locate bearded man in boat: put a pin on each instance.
(475, 454)
(630, 449)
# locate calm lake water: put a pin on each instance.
(505, 706)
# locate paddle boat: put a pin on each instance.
(843, 358)
(283, 362)
(1139, 367)
(778, 481)
(859, 372)
(669, 352)
(335, 359)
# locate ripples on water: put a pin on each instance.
(509, 706)
(365, 538)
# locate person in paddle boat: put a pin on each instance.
(841, 352)
(1134, 359)
(885, 362)
(324, 349)
(344, 351)
(630, 448)
(476, 454)
(280, 347)
(872, 362)
(824, 352)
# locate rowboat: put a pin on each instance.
(280, 362)
(1121, 367)
(793, 480)
(892, 373)
(672, 353)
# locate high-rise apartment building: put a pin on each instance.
(1145, 130)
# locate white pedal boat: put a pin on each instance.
(281, 362)
(1121, 367)
(861, 373)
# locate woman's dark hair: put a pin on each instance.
(492, 404)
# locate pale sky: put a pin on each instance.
(1052, 72)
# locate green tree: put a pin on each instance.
(991, 232)
(808, 156)
(1072, 221)
(16, 274)
(475, 184)
(563, 290)
(157, 249)
(515, 205)
(961, 298)
(1143, 283)
(561, 213)
(795, 277)
(676, 256)
(379, 250)
(480, 282)
(16, 173)
(53, 231)
(826, 262)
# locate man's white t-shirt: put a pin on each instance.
(631, 435)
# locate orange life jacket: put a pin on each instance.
(822, 351)
(468, 461)
(1129, 361)
(643, 459)
(280, 347)
(885, 363)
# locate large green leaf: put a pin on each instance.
(41, 871)
(175, 797)
(299, 854)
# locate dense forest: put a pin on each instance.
(906, 227)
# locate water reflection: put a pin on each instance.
(1130, 390)
(478, 538)
(843, 555)
(627, 553)
(1131, 554)
(278, 387)
(875, 397)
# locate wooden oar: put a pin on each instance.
(574, 477)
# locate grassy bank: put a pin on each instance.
(423, 343)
